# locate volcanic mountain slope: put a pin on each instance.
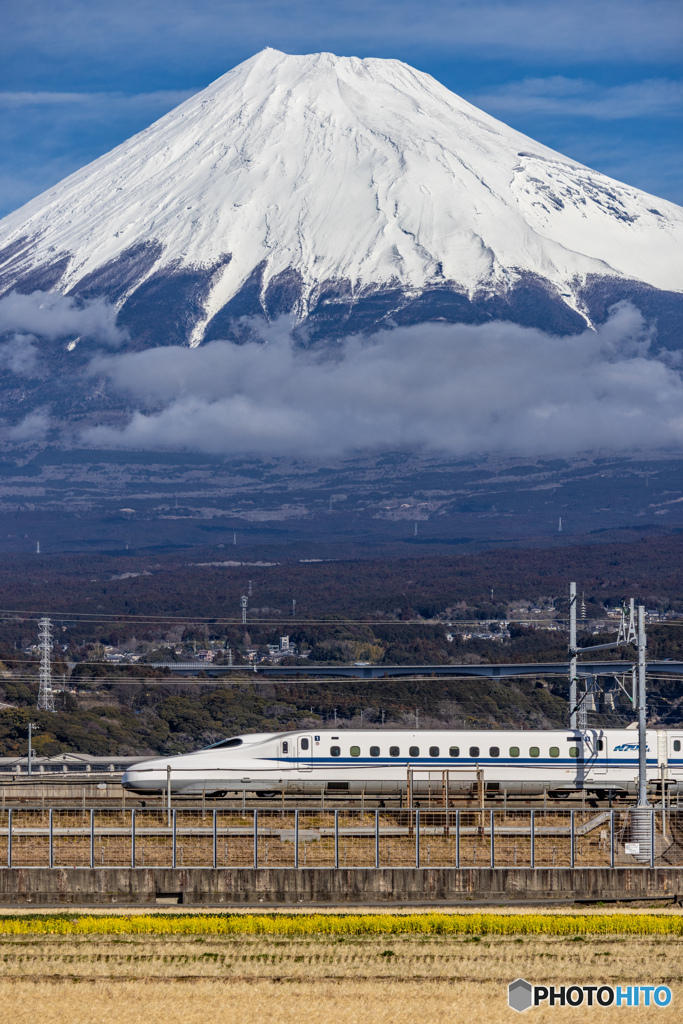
(346, 193)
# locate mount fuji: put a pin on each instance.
(347, 194)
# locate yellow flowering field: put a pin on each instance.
(346, 924)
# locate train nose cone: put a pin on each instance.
(131, 779)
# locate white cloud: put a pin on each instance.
(19, 355)
(578, 97)
(105, 102)
(33, 427)
(451, 388)
(51, 315)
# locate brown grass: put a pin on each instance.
(129, 979)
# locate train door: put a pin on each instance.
(676, 755)
(596, 754)
(286, 754)
(305, 753)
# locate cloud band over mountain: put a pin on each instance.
(453, 388)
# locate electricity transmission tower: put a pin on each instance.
(46, 698)
(244, 608)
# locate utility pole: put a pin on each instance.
(244, 600)
(249, 591)
(642, 712)
(46, 698)
(293, 607)
(573, 719)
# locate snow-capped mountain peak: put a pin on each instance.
(341, 190)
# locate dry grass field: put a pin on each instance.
(402, 978)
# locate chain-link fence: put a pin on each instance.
(432, 837)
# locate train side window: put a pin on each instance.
(414, 751)
(677, 745)
(335, 751)
(433, 751)
(573, 751)
(454, 752)
(601, 745)
(374, 751)
(474, 751)
(355, 751)
(514, 751)
(285, 747)
(304, 743)
(394, 752)
(494, 751)
(534, 752)
(554, 751)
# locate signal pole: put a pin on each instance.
(573, 718)
(46, 698)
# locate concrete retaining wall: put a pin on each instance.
(271, 886)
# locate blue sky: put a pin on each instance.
(600, 81)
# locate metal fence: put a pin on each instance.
(230, 838)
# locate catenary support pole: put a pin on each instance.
(215, 838)
(572, 841)
(573, 716)
(533, 839)
(642, 710)
(296, 838)
(51, 850)
(376, 838)
(92, 838)
(132, 837)
(255, 838)
(493, 840)
(9, 838)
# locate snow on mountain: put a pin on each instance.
(346, 192)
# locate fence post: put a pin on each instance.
(376, 838)
(132, 837)
(9, 838)
(457, 838)
(255, 838)
(92, 838)
(215, 839)
(652, 838)
(174, 837)
(51, 851)
(572, 850)
(336, 839)
(417, 839)
(296, 838)
(493, 842)
(533, 840)
(611, 839)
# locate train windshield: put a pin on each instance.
(235, 741)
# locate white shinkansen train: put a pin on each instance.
(560, 761)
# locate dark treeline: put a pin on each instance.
(398, 589)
